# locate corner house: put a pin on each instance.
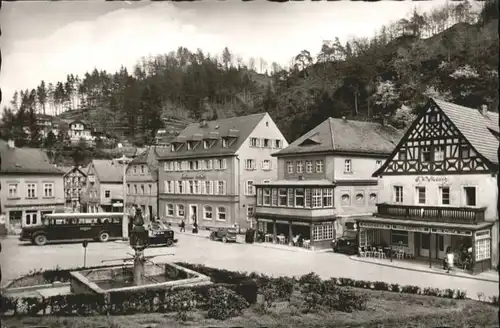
(324, 182)
(438, 188)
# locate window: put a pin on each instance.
(250, 212)
(266, 165)
(426, 154)
(289, 167)
(402, 155)
(207, 188)
(250, 188)
(464, 151)
(107, 193)
(189, 145)
(142, 169)
(299, 197)
(309, 166)
(179, 186)
(316, 198)
(206, 144)
(207, 212)
(399, 237)
(274, 197)
(142, 189)
(282, 197)
(177, 166)
(398, 194)
(13, 190)
(328, 197)
(31, 187)
(48, 190)
(300, 167)
(135, 189)
(420, 195)
(470, 196)
(249, 164)
(150, 189)
(168, 166)
(220, 164)
(290, 198)
(267, 197)
(196, 187)
(277, 143)
(170, 210)
(208, 164)
(190, 187)
(425, 240)
(373, 198)
(221, 188)
(307, 197)
(221, 213)
(168, 187)
(180, 210)
(259, 196)
(347, 166)
(135, 169)
(483, 245)
(319, 166)
(323, 232)
(31, 217)
(266, 143)
(438, 153)
(346, 199)
(254, 142)
(224, 143)
(360, 198)
(445, 195)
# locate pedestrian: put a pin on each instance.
(183, 226)
(195, 227)
(450, 258)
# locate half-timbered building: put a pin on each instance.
(324, 182)
(438, 189)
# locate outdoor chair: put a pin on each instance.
(306, 243)
(281, 239)
(400, 254)
(369, 251)
(409, 254)
(361, 252)
(380, 253)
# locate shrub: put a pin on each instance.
(394, 288)
(224, 303)
(270, 295)
(312, 302)
(284, 287)
(310, 279)
(182, 303)
(461, 294)
(380, 285)
(431, 291)
(349, 301)
(494, 300)
(409, 289)
(448, 293)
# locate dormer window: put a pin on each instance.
(206, 144)
(172, 147)
(225, 142)
(189, 145)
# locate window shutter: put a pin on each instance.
(225, 190)
(246, 188)
(224, 163)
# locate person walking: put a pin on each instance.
(183, 226)
(450, 258)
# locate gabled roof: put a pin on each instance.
(85, 123)
(108, 171)
(474, 126)
(74, 168)
(25, 161)
(341, 135)
(150, 158)
(213, 130)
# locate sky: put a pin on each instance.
(44, 40)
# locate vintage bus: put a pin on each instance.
(74, 227)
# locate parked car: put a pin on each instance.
(347, 244)
(159, 234)
(224, 234)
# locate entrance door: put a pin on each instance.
(193, 214)
(443, 241)
(425, 244)
(150, 210)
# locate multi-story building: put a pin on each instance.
(29, 185)
(438, 188)
(142, 182)
(324, 181)
(208, 173)
(75, 181)
(79, 130)
(104, 190)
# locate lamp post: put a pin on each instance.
(125, 161)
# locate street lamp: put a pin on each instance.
(125, 161)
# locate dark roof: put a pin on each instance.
(85, 123)
(475, 127)
(25, 160)
(108, 170)
(343, 135)
(241, 126)
(74, 168)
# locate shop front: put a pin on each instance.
(313, 233)
(431, 241)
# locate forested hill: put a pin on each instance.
(450, 53)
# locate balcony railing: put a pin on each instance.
(467, 215)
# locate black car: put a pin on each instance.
(347, 244)
(160, 235)
(224, 234)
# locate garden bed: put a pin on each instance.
(306, 301)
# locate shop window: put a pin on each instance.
(425, 241)
(323, 232)
(483, 245)
(399, 237)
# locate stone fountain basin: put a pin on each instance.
(120, 278)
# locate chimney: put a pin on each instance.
(11, 143)
(484, 109)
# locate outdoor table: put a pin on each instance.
(268, 237)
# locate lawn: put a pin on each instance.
(384, 309)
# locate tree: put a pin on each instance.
(386, 98)
(50, 141)
(227, 58)
(41, 93)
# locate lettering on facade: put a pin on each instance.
(199, 176)
(430, 178)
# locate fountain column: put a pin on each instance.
(139, 241)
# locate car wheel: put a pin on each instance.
(212, 237)
(103, 237)
(169, 242)
(40, 240)
(224, 239)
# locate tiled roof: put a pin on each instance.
(242, 126)
(475, 127)
(25, 160)
(343, 135)
(108, 170)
